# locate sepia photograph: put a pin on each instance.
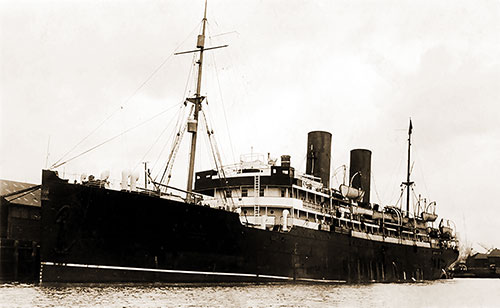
(216, 153)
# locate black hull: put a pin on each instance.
(477, 273)
(92, 234)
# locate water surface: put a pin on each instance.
(442, 293)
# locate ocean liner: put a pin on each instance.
(256, 220)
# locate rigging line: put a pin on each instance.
(375, 187)
(415, 198)
(128, 99)
(302, 167)
(112, 138)
(395, 171)
(186, 87)
(210, 134)
(335, 174)
(174, 151)
(241, 80)
(208, 146)
(180, 113)
(217, 160)
(118, 109)
(170, 140)
(400, 198)
(222, 99)
(208, 117)
(421, 168)
(161, 154)
(177, 137)
(221, 34)
(154, 143)
(189, 35)
(180, 118)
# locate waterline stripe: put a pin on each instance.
(186, 272)
(320, 280)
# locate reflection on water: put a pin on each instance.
(442, 293)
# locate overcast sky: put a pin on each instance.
(358, 69)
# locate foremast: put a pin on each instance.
(196, 100)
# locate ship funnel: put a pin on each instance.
(319, 147)
(360, 172)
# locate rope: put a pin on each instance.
(375, 187)
(400, 198)
(112, 138)
(415, 198)
(394, 175)
(174, 151)
(154, 143)
(177, 124)
(151, 75)
(222, 100)
(217, 160)
(171, 137)
(302, 164)
(117, 110)
(421, 169)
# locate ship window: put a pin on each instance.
(301, 195)
(283, 192)
(261, 192)
(244, 192)
(228, 193)
(285, 171)
(274, 170)
(272, 212)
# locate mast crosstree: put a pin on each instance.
(197, 100)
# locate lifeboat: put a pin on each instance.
(429, 216)
(351, 192)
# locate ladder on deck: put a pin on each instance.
(256, 193)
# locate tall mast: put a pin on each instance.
(192, 126)
(197, 100)
(408, 183)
